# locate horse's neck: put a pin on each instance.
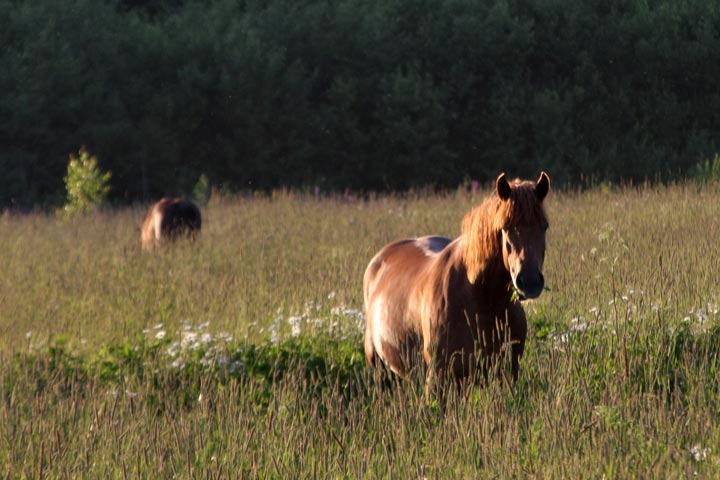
(493, 273)
(489, 292)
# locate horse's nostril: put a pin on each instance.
(520, 281)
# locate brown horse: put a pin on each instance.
(459, 300)
(169, 219)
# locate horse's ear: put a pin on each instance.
(502, 187)
(543, 186)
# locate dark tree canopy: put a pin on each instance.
(379, 95)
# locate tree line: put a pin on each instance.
(383, 95)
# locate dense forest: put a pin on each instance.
(381, 95)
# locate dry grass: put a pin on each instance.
(240, 355)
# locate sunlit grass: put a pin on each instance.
(240, 355)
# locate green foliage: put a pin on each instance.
(708, 170)
(201, 190)
(391, 94)
(86, 185)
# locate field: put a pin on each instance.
(240, 355)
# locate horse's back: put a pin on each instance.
(181, 216)
(390, 286)
(433, 243)
(169, 217)
(403, 256)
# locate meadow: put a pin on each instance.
(240, 355)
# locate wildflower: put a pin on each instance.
(699, 453)
(225, 336)
(235, 366)
(188, 338)
(295, 324)
(578, 324)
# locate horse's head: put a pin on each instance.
(523, 228)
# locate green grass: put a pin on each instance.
(240, 355)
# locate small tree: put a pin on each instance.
(201, 191)
(86, 185)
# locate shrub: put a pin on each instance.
(708, 170)
(86, 185)
(201, 190)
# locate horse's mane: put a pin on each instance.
(480, 226)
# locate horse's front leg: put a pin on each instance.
(518, 332)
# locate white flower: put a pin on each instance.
(295, 324)
(160, 335)
(699, 453)
(578, 324)
(188, 338)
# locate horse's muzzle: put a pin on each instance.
(530, 284)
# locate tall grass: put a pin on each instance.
(239, 355)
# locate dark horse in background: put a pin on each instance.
(169, 219)
(458, 301)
